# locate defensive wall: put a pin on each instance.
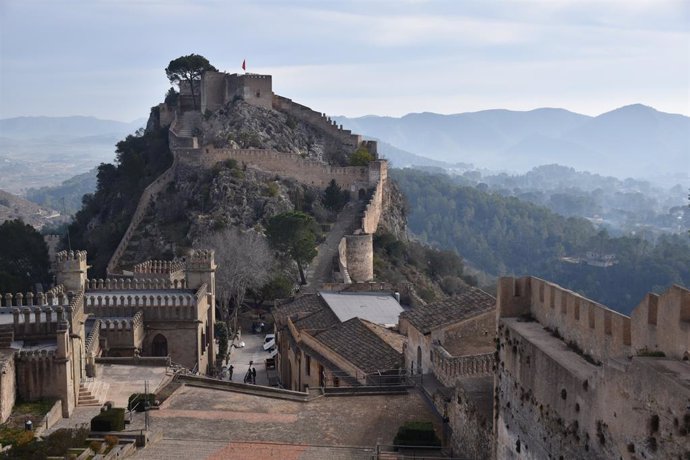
(306, 171)
(153, 189)
(575, 379)
(599, 331)
(322, 122)
(449, 369)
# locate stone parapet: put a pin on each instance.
(448, 369)
(599, 331)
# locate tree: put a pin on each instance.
(221, 333)
(294, 234)
(23, 257)
(361, 157)
(334, 197)
(188, 68)
(244, 262)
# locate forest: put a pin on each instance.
(503, 235)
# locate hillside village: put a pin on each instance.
(354, 360)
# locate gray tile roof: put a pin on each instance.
(361, 346)
(377, 307)
(470, 303)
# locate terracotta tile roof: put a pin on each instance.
(390, 336)
(361, 346)
(471, 302)
(300, 307)
(322, 319)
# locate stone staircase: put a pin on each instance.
(92, 393)
(188, 122)
(320, 269)
(6, 336)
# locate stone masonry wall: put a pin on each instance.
(308, 172)
(599, 331)
(563, 394)
(662, 323)
(320, 121)
(147, 196)
(8, 388)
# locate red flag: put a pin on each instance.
(244, 64)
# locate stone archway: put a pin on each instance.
(159, 346)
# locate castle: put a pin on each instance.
(538, 372)
(50, 342)
(355, 251)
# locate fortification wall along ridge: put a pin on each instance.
(320, 121)
(153, 189)
(309, 172)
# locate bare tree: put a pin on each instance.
(244, 260)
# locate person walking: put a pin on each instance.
(230, 369)
(254, 375)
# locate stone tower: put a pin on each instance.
(71, 270)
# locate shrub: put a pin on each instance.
(417, 433)
(110, 420)
(137, 401)
(111, 440)
(96, 446)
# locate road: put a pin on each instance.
(252, 351)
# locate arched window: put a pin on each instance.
(419, 360)
(159, 346)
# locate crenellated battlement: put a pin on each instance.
(36, 321)
(158, 266)
(660, 323)
(448, 368)
(36, 355)
(201, 259)
(71, 256)
(55, 296)
(118, 284)
(321, 121)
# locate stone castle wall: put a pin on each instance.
(562, 393)
(320, 121)
(153, 189)
(309, 172)
(662, 323)
(599, 331)
(8, 387)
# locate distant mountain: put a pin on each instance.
(44, 151)
(635, 140)
(66, 197)
(65, 127)
(15, 207)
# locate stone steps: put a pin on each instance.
(92, 393)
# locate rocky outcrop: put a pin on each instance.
(241, 125)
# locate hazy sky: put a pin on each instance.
(106, 58)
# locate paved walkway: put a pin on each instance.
(123, 381)
(252, 351)
(319, 270)
(202, 423)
